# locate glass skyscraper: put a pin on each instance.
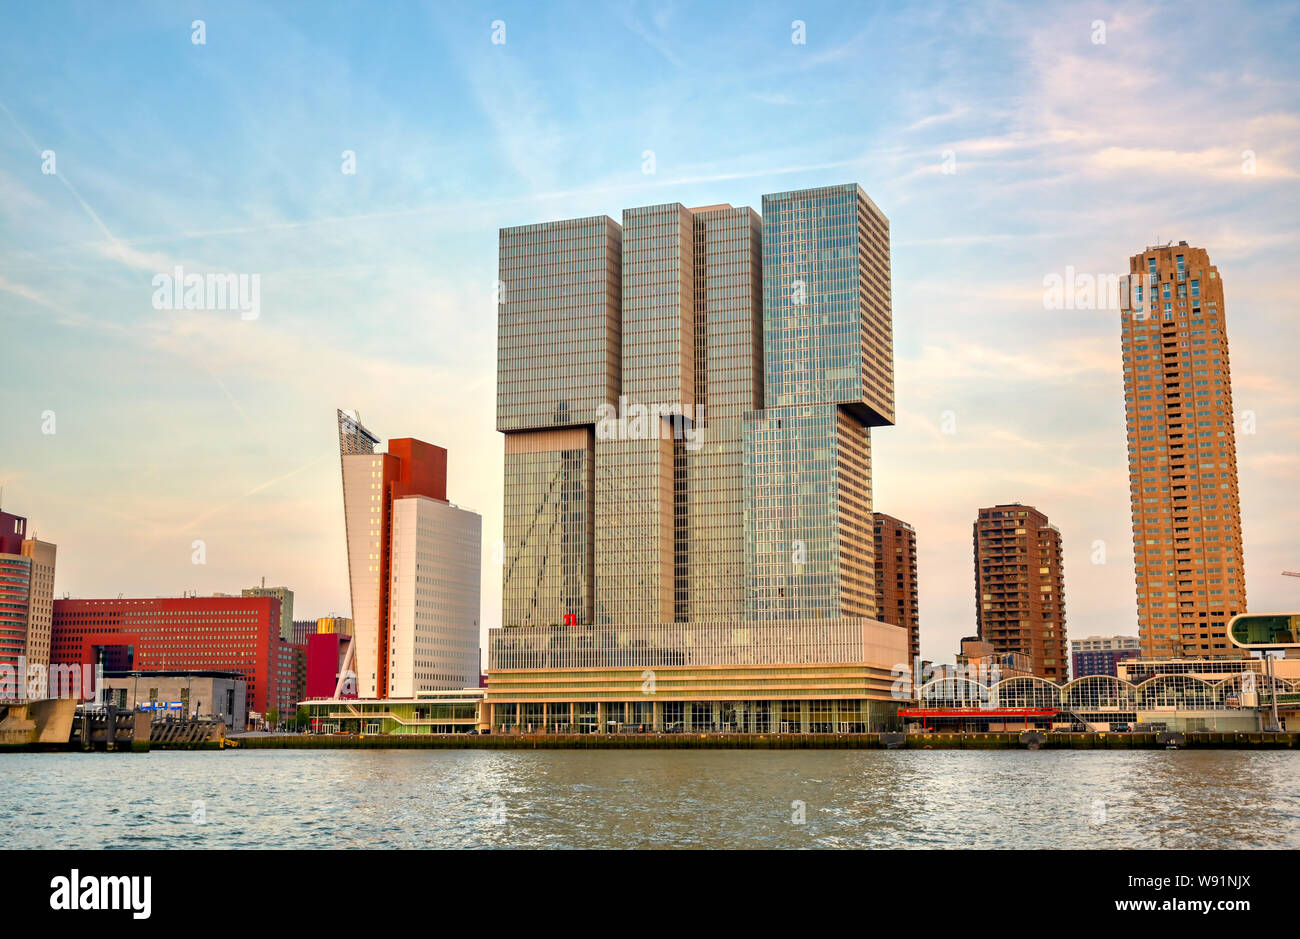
(558, 360)
(828, 378)
(687, 400)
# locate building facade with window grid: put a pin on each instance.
(897, 588)
(731, 675)
(1177, 700)
(559, 355)
(230, 634)
(828, 379)
(1182, 454)
(1020, 586)
(1101, 655)
(771, 338)
(26, 594)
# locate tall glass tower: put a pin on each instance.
(686, 399)
(828, 378)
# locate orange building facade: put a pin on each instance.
(1182, 452)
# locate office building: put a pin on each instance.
(342, 625)
(1101, 655)
(558, 361)
(328, 651)
(1182, 453)
(285, 596)
(809, 676)
(896, 582)
(413, 564)
(687, 398)
(828, 377)
(26, 594)
(327, 643)
(13, 532)
(165, 634)
(1020, 586)
(15, 589)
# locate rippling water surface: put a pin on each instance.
(648, 798)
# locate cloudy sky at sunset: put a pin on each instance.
(376, 287)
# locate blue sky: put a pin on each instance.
(376, 287)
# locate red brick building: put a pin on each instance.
(896, 582)
(236, 634)
(1020, 587)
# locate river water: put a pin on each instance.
(652, 799)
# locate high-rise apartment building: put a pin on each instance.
(1182, 453)
(686, 399)
(413, 564)
(896, 581)
(40, 605)
(26, 594)
(1020, 586)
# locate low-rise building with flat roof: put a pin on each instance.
(800, 676)
(205, 695)
(429, 712)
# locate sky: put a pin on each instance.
(1007, 143)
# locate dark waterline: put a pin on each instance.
(653, 799)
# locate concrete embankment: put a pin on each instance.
(58, 725)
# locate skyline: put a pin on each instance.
(152, 452)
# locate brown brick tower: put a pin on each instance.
(1020, 586)
(1182, 455)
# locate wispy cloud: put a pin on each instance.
(376, 285)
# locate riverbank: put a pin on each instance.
(971, 741)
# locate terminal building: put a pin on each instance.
(1177, 695)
